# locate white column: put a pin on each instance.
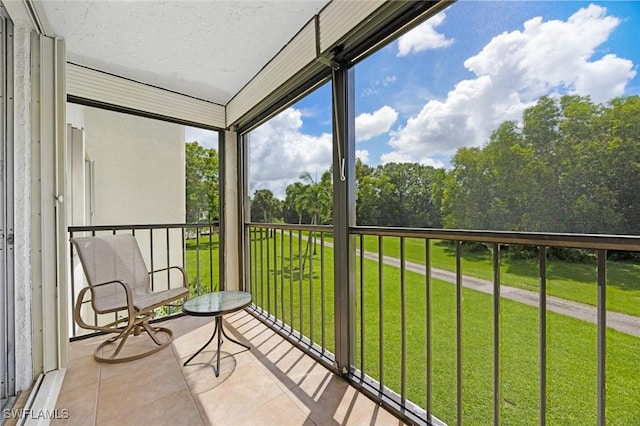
(231, 219)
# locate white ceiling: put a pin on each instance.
(208, 49)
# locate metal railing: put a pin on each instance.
(417, 318)
(194, 246)
(286, 266)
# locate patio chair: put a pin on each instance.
(119, 284)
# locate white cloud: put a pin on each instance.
(398, 157)
(279, 152)
(512, 71)
(374, 88)
(206, 138)
(424, 37)
(436, 164)
(375, 124)
(395, 157)
(363, 155)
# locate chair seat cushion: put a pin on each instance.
(150, 300)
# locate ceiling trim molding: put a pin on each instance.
(101, 88)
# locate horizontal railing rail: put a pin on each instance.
(193, 246)
(420, 359)
(586, 241)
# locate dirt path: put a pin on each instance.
(621, 322)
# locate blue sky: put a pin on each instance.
(206, 138)
(449, 82)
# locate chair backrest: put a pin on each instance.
(108, 258)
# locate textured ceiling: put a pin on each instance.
(207, 48)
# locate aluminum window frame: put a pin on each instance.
(7, 281)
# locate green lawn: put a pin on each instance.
(572, 281)
(202, 263)
(298, 296)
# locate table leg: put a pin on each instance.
(218, 330)
(219, 326)
(215, 331)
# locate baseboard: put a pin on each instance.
(40, 407)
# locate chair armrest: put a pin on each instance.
(127, 292)
(180, 268)
(80, 300)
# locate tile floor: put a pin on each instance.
(272, 384)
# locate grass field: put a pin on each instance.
(298, 298)
(571, 281)
(202, 263)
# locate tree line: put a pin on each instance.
(201, 183)
(568, 166)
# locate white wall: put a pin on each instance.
(22, 195)
(139, 168)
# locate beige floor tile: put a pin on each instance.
(239, 319)
(187, 346)
(182, 325)
(175, 409)
(150, 381)
(281, 411)
(191, 341)
(381, 417)
(247, 388)
(81, 372)
(200, 372)
(331, 400)
(144, 365)
(80, 403)
(135, 345)
(84, 347)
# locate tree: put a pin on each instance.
(293, 209)
(397, 194)
(620, 122)
(265, 207)
(202, 182)
(467, 193)
(316, 197)
(571, 166)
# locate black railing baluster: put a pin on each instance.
(275, 273)
(151, 257)
(168, 259)
(602, 338)
(542, 312)
(261, 271)
(211, 288)
(322, 293)
(459, 333)
(268, 272)
(312, 248)
(428, 319)
(403, 323)
(381, 308)
(300, 277)
(362, 364)
(291, 278)
(282, 276)
(496, 334)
